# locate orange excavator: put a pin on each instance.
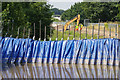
(72, 20)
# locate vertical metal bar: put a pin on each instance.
(68, 34)
(40, 31)
(45, 34)
(93, 32)
(116, 31)
(80, 33)
(98, 29)
(104, 31)
(110, 32)
(34, 30)
(12, 24)
(63, 33)
(12, 28)
(8, 26)
(2, 26)
(50, 33)
(29, 33)
(57, 33)
(18, 32)
(74, 32)
(8, 29)
(86, 33)
(24, 32)
(69, 31)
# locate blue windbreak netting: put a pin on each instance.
(86, 51)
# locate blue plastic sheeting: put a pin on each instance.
(36, 70)
(86, 51)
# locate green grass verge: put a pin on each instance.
(66, 34)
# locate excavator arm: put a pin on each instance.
(72, 20)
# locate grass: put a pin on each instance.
(66, 34)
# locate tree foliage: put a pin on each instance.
(57, 11)
(105, 11)
(25, 14)
(119, 11)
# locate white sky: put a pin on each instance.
(63, 4)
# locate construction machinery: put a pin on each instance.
(72, 20)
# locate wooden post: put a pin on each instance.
(118, 30)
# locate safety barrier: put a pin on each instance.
(85, 51)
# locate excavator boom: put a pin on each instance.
(72, 20)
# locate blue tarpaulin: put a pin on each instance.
(85, 51)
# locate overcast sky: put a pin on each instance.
(63, 4)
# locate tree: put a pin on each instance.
(25, 14)
(118, 16)
(106, 11)
(57, 11)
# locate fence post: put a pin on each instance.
(29, 33)
(18, 32)
(57, 33)
(8, 27)
(93, 32)
(24, 32)
(104, 31)
(69, 33)
(45, 34)
(86, 33)
(40, 30)
(80, 33)
(74, 32)
(98, 29)
(63, 33)
(12, 27)
(118, 30)
(110, 32)
(34, 32)
(50, 33)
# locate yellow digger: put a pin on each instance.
(72, 20)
